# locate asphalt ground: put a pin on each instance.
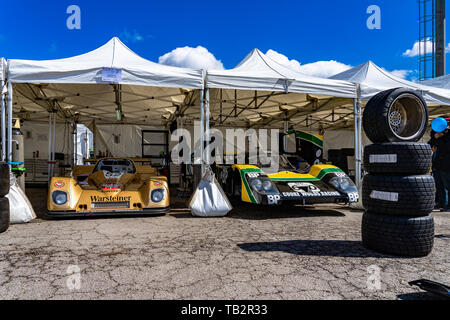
(254, 253)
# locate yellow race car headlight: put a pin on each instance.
(157, 195)
(59, 197)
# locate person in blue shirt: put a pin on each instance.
(440, 144)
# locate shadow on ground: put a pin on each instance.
(420, 296)
(261, 212)
(332, 248)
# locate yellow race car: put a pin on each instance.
(113, 186)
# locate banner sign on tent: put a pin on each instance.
(112, 75)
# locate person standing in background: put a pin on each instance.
(440, 144)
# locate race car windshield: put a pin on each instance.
(115, 166)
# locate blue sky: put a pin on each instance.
(306, 31)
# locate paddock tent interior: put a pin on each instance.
(373, 79)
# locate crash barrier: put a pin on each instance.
(398, 191)
(209, 200)
(4, 202)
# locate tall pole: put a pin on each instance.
(439, 26)
(3, 122)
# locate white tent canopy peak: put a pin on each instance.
(87, 69)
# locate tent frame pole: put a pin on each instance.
(53, 144)
(358, 143)
(74, 144)
(3, 121)
(360, 153)
(207, 117)
(50, 132)
(10, 108)
(202, 133)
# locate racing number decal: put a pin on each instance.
(299, 187)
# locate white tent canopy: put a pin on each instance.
(89, 69)
(259, 72)
(93, 85)
(259, 92)
(111, 85)
(373, 79)
(442, 82)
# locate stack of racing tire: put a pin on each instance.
(398, 191)
(4, 202)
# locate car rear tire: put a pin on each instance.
(397, 158)
(403, 236)
(4, 214)
(396, 115)
(4, 179)
(399, 195)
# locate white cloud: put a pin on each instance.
(283, 60)
(323, 69)
(426, 45)
(401, 73)
(188, 57)
(134, 36)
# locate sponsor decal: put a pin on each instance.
(157, 183)
(383, 158)
(59, 184)
(311, 194)
(273, 199)
(353, 197)
(110, 198)
(111, 186)
(382, 195)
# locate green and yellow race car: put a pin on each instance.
(294, 184)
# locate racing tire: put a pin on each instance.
(403, 236)
(396, 115)
(4, 179)
(397, 158)
(4, 214)
(411, 196)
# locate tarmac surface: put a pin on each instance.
(254, 253)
